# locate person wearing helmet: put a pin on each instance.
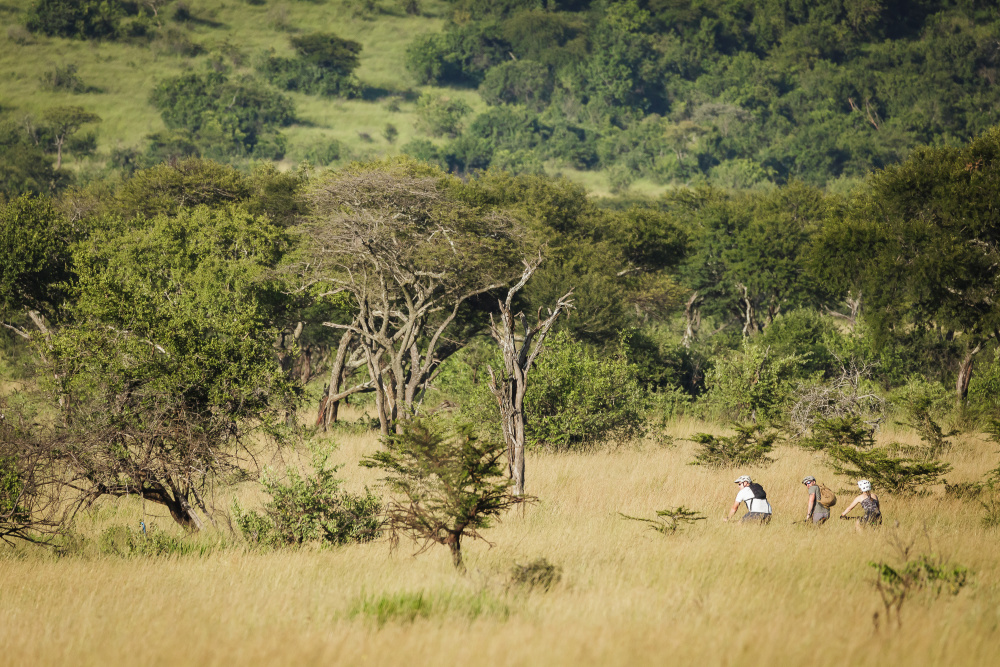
(815, 511)
(869, 503)
(758, 509)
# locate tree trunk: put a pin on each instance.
(454, 543)
(330, 408)
(692, 320)
(965, 375)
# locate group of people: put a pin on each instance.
(818, 504)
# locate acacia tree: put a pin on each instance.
(168, 364)
(396, 239)
(922, 243)
(64, 123)
(509, 384)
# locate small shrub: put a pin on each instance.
(750, 446)
(325, 153)
(669, 521)
(125, 542)
(390, 133)
(311, 509)
(964, 490)
(539, 573)
(924, 573)
(65, 79)
(935, 440)
(453, 484)
(848, 431)
(895, 475)
(579, 397)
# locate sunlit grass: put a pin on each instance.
(714, 593)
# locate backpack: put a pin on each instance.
(758, 491)
(827, 498)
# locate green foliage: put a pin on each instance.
(303, 76)
(24, 166)
(749, 447)
(669, 521)
(34, 256)
(86, 19)
(65, 79)
(452, 484)
(918, 243)
(518, 82)
(125, 542)
(311, 508)
(329, 52)
(926, 573)
(752, 383)
(539, 573)
(580, 398)
(895, 475)
(226, 117)
(406, 607)
(848, 431)
(441, 116)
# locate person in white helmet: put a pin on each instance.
(815, 511)
(758, 509)
(869, 503)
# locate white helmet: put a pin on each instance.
(742, 478)
(865, 485)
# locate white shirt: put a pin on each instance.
(753, 504)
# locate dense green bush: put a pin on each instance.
(441, 116)
(518, 82)
(311, 509)
(225, 116)
(86, 19)
(752, 383)
(579, 397)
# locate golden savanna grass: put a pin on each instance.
(715, 593)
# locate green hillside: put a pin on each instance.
(619, 96)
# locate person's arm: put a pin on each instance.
(735, 508)
(851, 506)
(812, 505)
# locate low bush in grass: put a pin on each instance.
(311, 509)
(126, 542)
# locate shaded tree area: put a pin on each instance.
(733, 92)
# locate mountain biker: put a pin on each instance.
(869, 503)
(814, 510)
(758, 509)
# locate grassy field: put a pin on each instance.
(715, 593)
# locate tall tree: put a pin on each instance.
(922, 242)
(397, 240)
(168, 364)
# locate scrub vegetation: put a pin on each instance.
(350, 332)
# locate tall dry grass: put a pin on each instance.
(715, 593)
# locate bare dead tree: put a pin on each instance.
(843, 396)
(408, 254)
(509, 384)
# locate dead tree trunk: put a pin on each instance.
(509, 384)
(692, 319)
(965, 375)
